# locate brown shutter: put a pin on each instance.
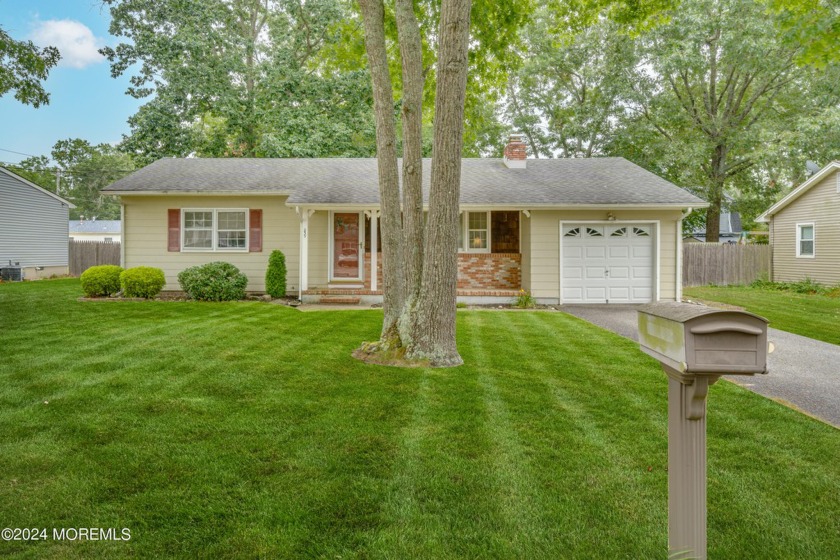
(256, 231)
(174, 230)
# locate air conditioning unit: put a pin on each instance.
(11, 273)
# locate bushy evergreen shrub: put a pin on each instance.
(275, 276)
(102, 280)
(142, 281)
(215, 281)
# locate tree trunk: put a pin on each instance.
(373, 14)
(411, 51)
(432, 333)
(717, 179)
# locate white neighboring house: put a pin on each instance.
(33, 227)
(96, 230)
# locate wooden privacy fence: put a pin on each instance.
(724, 264)
(85, 254)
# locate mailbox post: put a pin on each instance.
(696, 345)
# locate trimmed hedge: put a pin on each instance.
(215, 281)
(101, 281)
(142, 281)
(275, 276)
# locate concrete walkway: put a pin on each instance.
(804, 373)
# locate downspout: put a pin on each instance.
(122, 236)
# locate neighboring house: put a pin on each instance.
(805, 229)
(567, 230)
(33, 227)
(730, 229)
(96, 230)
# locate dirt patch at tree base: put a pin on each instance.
(390, 358)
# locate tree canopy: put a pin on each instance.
(23, 69)
(238, 78)
(80, 171)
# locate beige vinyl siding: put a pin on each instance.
(545, 247)
(145, 237)
(319, 233)
(820, 205)
(525, 249)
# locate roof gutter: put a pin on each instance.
(197, 193)
(521, 207)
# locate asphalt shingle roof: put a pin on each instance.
(544, 182)
(95, 226)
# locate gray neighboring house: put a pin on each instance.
(599, 230)
(109, 231)
(33, 227)
(805, 229)
(730, 229)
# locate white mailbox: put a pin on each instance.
(696, 339)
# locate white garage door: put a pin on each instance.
(607, 263)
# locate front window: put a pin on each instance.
(478, 234)
(215, 230)
(805, 240)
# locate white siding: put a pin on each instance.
(33, 225)
(145, 237)
(545, 247)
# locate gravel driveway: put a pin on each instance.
(804, 372)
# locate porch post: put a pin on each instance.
(374, 249)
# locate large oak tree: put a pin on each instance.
(419, 262)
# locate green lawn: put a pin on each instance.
(813, 316)
(246, 430)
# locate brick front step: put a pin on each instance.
(343, 300)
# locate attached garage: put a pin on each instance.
(611, 262)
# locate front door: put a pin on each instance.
(347, 244)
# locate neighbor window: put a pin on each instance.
(804, 240)
(215, 230)
(477, 228)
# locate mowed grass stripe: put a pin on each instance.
(516, 488)
(567, 408)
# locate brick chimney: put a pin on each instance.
(515, 152)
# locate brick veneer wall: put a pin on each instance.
(489, 271)
(476, 271)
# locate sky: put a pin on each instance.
(85, 101)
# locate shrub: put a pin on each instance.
(806, 286)
(142, 281)
(275, 276)
(215, 281)
(100, 281)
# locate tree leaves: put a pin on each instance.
(23, 68)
